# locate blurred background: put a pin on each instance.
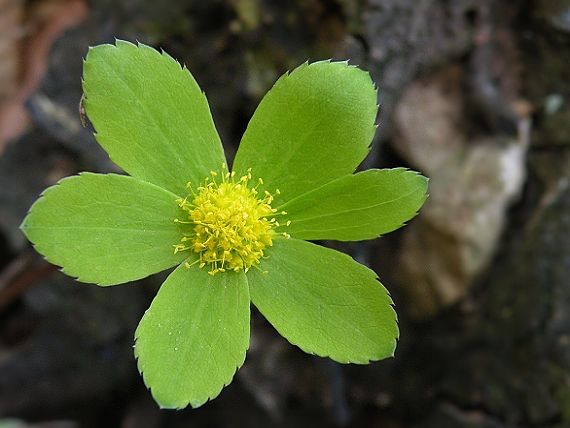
(474, 94)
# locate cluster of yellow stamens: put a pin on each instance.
(231, 223)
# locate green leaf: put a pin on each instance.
(356, 207)
(150, 115)
(105, 229)
(194, 336)
(316, 124)
(325, 302)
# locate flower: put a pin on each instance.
(237, 236)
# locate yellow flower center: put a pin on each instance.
(231, 223)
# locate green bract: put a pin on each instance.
(234, 237)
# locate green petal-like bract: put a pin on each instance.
(194, 336)
(356, 207)
(316, 124)
(325, 302)
(150, 115)
(105, 229)
(306, 138)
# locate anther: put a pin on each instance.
(232, 227)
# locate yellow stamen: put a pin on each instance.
(231, 225)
